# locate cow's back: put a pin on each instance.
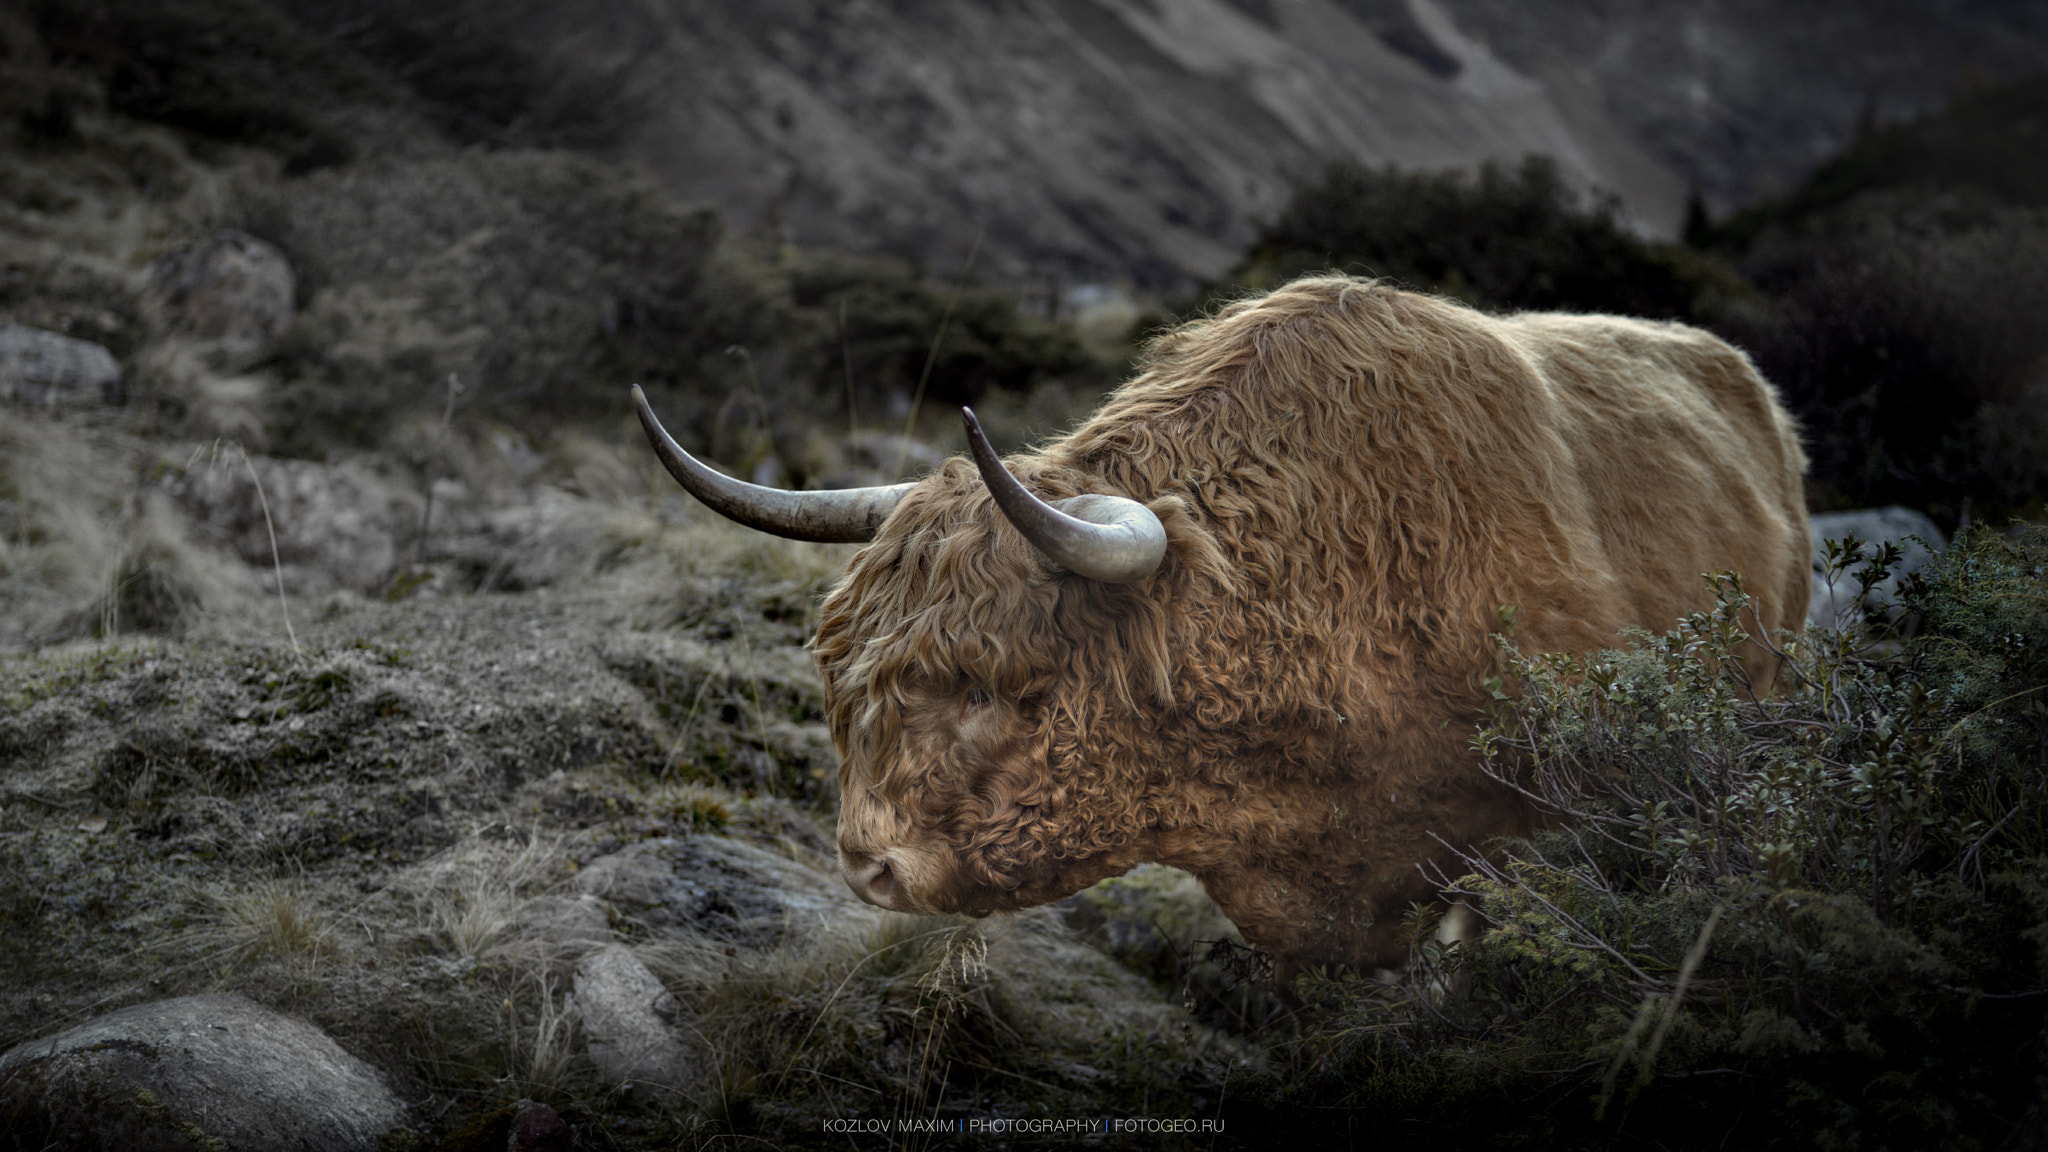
(1685, 461)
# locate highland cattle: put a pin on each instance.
(1241, 621)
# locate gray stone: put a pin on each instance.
(195, 1072)
(718, 887)
(229, 286)
(1835, 607)
(569, 924)
(629, 1019)
(1147, 918)
(335, 525)
(51, 371)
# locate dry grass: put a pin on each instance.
(277, 917)
(542, 1061)
(163, 580)
(60, 540)
(281, 925)
(87, 548)
(470, 895)
(202, 398)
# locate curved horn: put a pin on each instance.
(845, 516)
(1106, 538)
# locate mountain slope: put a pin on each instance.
(1137, 139)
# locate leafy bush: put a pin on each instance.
(1812, 920)
(1906, 334)
(1984, 144)
(232, 70)
(545, 283)
(1509, 239)
(1909, 275)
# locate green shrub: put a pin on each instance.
(1984, 144)
(234, 70)
(1894, 297)
(1507, 239)
(1906, 335)
(1814, 920)
(492, 73)
(1908, 276)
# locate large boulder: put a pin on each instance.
(47, 370)
(333, 525)
(195, 1072)
(1918, 540)
(230, 287)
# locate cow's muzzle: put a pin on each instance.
(872, 879)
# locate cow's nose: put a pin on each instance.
(870, 878)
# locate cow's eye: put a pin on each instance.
(978, 698)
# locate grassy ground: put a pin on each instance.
(367, 830)
(229, 761)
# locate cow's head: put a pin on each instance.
(970, 655)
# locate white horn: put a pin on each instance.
(1105, 538)
(843, 516)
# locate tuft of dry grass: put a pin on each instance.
(278, 920)
(276, 917)
(162, 580)
(88, 548)
(201, 397)
(540, 1033)
(470, 895)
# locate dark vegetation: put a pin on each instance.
(1817, 920)
(1895, 298)
(1508, 239)
(1813, 921)
(540, 279)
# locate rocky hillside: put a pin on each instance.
(1135, 140)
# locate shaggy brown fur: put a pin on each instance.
(1353, 480)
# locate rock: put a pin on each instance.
(1148, 918)
(336, 525)
(716, 886)
(230, 287)
(52, 371)
(539, 1128)
(1831, 608)
(563, 923)
(195, 1072)
(628, 1019)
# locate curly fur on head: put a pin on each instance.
(1353, 480)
